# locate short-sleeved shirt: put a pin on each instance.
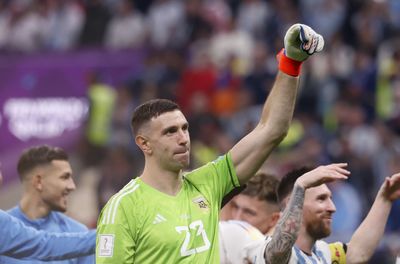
(143, 225)
(234, 236)
(322, 253)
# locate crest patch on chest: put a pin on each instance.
(202, 203)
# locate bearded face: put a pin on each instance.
(318, 211)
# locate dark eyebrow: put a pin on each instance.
(66, 174)
(167, 129)
(324, 195)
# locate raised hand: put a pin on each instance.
(324, 174)
(301, 41)
(390, 188)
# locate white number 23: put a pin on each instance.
(196, 225)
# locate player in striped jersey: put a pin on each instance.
(307, 219)
(167, 216)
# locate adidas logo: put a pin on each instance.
(158, 219)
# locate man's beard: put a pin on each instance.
(318, 231)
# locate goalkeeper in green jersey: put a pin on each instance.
(165, 216)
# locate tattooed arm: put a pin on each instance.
(279, 249)
(285, 235)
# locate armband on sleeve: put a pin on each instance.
(338, 253)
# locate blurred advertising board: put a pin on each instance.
(43, 97)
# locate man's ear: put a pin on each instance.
(37, 181)
(275, 218)
(144, 144)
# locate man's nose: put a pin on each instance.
(331, 206)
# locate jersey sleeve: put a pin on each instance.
(338, 252)
(234, 237)
(29, 243)
(115, 243)
(216, 178)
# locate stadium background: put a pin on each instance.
(72, 71)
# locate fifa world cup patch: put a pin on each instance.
(202, 203)
(106, 245)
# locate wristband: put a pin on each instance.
(288, 65)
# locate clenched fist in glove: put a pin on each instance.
(301, 41)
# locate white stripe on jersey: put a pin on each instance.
(300, 257)
(119, 199)
(113, 203)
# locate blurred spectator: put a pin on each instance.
(126, 28)
(325, 15)
(198, 79)
(64, 22)
(218, 14)
(102, 102)
(252, 17)
(165, 23)
(96, 20)
(25, 27)
(232, 45)
(197, 27)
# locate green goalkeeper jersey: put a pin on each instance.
(142, 225)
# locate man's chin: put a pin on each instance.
(61, 209)
(322, 233)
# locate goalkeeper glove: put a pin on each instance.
(301, 41)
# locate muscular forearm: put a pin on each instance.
(250, 153)
(279, 107)
(287, 229)
(367, 236)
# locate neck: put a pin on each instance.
(33, 208)
(270, 232)
(168, 182)
(305, 242)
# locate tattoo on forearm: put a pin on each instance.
(287, 229)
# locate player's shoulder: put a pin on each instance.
(70, 224)
(336, 251)
(128, 196)
(14, 210)
(240, 229)
(210, 166)
(129, 193)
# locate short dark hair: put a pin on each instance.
(150, 109)
(286, 184)
(263, 187)
(39, 155)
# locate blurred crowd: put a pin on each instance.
(217, 60)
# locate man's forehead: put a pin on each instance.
(169, 118)
(318, 190)
(63, 165)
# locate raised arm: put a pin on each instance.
(20, 241)
(279, 249)
(367, 236)
(250, 153)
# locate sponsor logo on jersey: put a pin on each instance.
(106, 246)
(202, 203)
(159, 219)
